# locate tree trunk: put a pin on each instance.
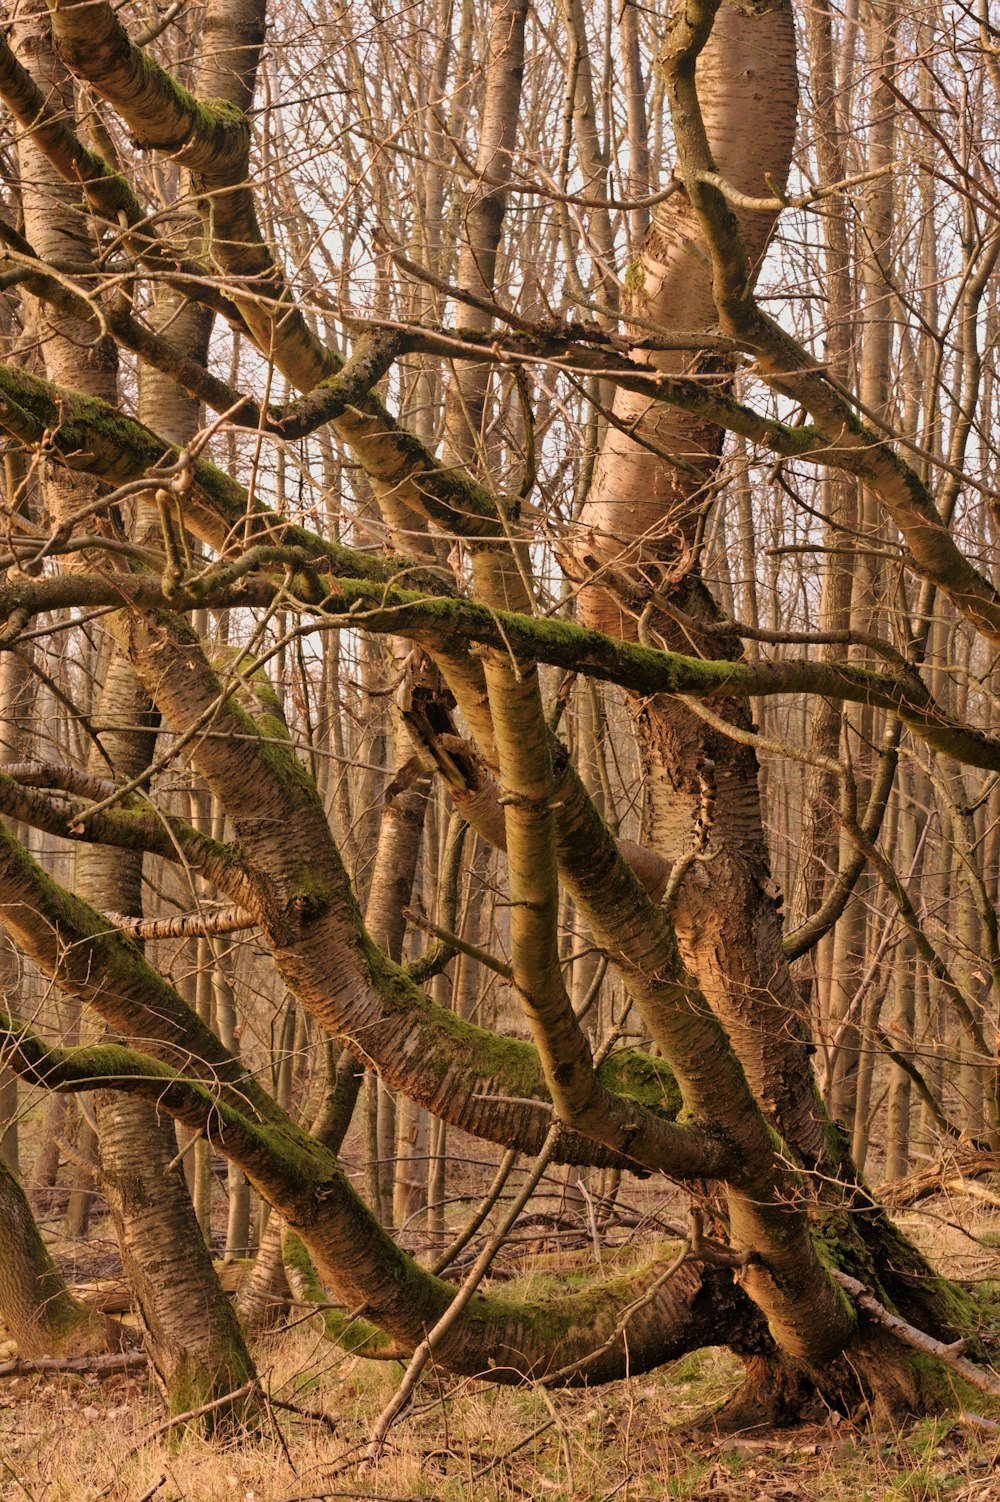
(37, 1308)
(194, 1340)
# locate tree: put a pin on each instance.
(505, 477)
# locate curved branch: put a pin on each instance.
(212, 139)
(791, 370)
(499, 1338)
(458, 1069)
(107, 193)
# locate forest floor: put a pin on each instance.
(75, 1439)
(101, 1441)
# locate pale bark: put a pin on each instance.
(483, 213)
(640, 514)
(193, 1347)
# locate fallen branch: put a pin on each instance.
(110, 1365)
(951, 1355)
(950, 1173)
(977, 1423)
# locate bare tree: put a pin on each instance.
(579, 425)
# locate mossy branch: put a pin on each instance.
(451, 624)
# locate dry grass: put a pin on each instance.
(77, 1441)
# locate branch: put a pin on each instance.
(186, 925)
(110, 1365)
(816, 925)
(790, 200)
(647, 670)
(109, 196)
(457, 945)
(437, 621)
(303, 1182)
(212, 139)
(920, 1084)
(789, 368)
(950, 1354)
(135, 827)
(94, 437)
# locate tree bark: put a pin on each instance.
(37, 1308)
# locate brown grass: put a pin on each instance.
(76, 1441)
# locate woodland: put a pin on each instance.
(499, 667)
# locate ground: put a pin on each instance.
(75, 1440)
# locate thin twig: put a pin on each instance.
(462, 946)
(194, 1413)
(475, 1276)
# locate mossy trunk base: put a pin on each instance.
(876, 1382)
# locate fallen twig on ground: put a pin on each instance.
(112, 1364)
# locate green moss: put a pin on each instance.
(634, 276)
(645, 1080)
(354, 1335)
(512, 1062)
(194, 1384)
(836, 1237)
(594, 1307)
(222, 112)
(861, 1240)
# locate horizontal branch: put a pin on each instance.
(458, 624)
(455, 623)
(136, 826)
(236, 1128)
(110, 1364)
(781, 201)
(186, 925)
